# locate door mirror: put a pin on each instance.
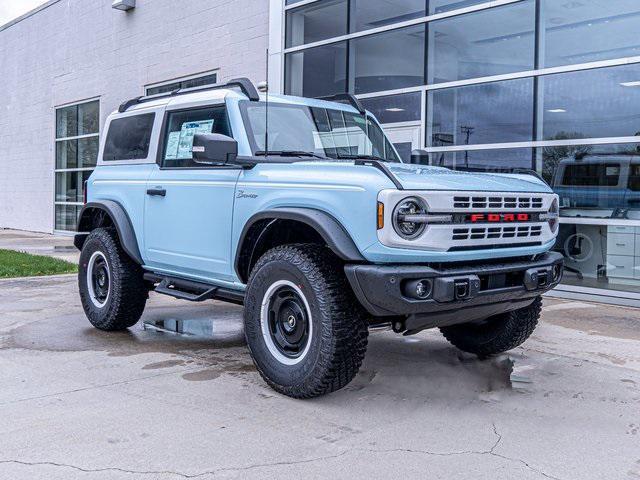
(212, 148)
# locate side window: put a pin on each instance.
(129, 137)
(183, 125)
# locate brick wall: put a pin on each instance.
(79, 49)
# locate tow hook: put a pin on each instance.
(539, 278)
(461, 290)
(448, 289)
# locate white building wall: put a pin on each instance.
(73, 50)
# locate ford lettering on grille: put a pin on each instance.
(499, 217)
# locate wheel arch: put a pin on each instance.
(279, 226)
(108, 213)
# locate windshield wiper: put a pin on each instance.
(361, 157)
(287, 153)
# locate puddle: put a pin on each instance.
(196, 327)
(162, 329)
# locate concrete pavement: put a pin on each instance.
(58, 246)
(77, 403)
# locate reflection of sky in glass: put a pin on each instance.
(489, 160)
(589, 30)
(487, 113)
(593, 103)
(489, 42)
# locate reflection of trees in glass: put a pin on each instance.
(551, 156)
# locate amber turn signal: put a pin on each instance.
(380, 215)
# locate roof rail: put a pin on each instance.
(244, 84)
(349, 98)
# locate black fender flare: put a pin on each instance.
(121, 221)
(332, 232)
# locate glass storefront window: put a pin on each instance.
(493, 160)
(495, 112)
(316, 21)
(599, 192)
(395, 108)
(589, 30)
(591, 103)
(67, 217)
(67, 122)
(76, 150)
(210, 79)
(595, 181)
(317, 72)
(368, 14)
(489, 42)
(388, 61)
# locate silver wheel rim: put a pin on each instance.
(265, 323)
(98, 261)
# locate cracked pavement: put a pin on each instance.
(77, 403)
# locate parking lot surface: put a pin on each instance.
(151, 403)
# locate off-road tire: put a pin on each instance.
(497, 334)
(340, 333)
(128, 292)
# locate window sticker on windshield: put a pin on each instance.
(611, 171)
(172, 146)
(189, 129)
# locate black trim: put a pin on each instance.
(382, 166)
(332, 232)
(244, 84)
(120, 219)
(383, 289)
(191, 290)
(497, 246)
(346, 97)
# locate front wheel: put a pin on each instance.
(306, 332)
(112, 288)
(496, 334)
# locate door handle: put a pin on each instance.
(157, 192)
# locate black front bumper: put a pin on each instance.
(454, 294)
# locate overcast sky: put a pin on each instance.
(10, 9)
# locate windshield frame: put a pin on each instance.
(370, 122)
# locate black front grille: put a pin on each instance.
(494, 247)
(466, 202)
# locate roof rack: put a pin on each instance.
(348, 98)
(244, 84)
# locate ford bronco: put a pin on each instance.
(301, 210)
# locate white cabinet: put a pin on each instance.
(623, 253)
(621, 244)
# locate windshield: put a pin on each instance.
(316, 131)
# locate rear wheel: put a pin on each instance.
(112, 288)
(496, 334)
(306, 332)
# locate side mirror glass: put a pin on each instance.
(420, 157)
(212, 148)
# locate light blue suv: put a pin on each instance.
(302, 211)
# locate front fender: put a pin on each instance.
(332, 232)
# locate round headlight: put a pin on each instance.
(403, 223)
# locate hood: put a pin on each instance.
(422, 177)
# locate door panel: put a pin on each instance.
(188, 230)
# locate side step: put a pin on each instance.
(192, 291)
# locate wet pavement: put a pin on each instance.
(177, 396)
(58, 246)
